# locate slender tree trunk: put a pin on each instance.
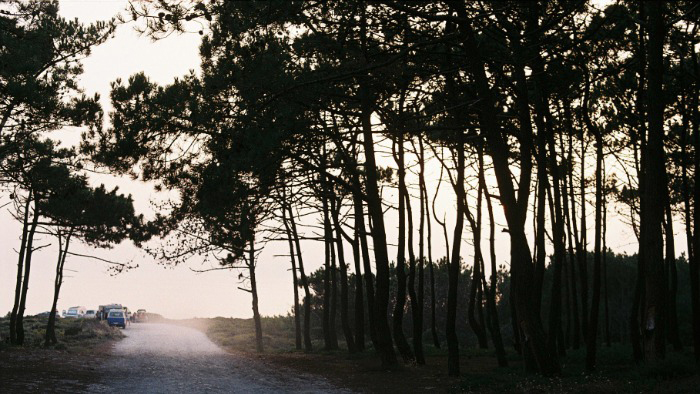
(399, 337)
(295, 284)
(421, 175)
(583, 252)
(359, 298)
(328, 245)
(20, 268)
(654, 172)
(369, 279)
(443, 222)
(478, 328)
(694, 271)
(605, 259)
(592, 339)
(637, 306)
(574, 242)
(673, 335)
(420, 299)
(344, 320)
(635, 335)
(19, 323)
(254, 293)
(50, 337)
(308, 346)
(541, 198)
(495, 325)
(568, 297)
(557, 219)
(333, 328)
(416, 309)
(455, 268)
(384, 342)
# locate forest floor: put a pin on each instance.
(480, 373)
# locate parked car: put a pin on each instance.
(76, 311)
(117, 317)
(90, 314)
(141, 316)
(103, 310)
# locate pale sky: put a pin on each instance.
(177, 292)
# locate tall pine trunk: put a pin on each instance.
(694, 271)
(416, 306)
(672, 317)
(455, 268)
(400, 303)
(295, 283)
(381, 255)
(50, 337)
(308, 346)
(19, 323)
(431, 271)
(592, 338)
(328, 343)
(359, 297)
(344, 320)
(361, 232)
(494, 322)
(654, 173)
(20, 268)
(477, 273)
(254, 292)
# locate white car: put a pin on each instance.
(90, 314)
(76, 311)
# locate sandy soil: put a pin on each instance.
(162, 358)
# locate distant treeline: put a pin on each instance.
(621, 269)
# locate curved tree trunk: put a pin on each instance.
(400, 303)
(694, 270)
(494, 325)
(455, 268)
(295, 284)
(308, 346)
(431, 271)
(50, 337)
(592, 339)
(361, 232)
(477, 273)
(374, 206)
(344, 321)
(327, 308)
(416, 305)
(359, 298)
(20, 268)
(254, 292)
(654, 173)
(19, 323)
(673, 335)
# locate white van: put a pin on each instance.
(76, 311)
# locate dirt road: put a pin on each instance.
(162, 358)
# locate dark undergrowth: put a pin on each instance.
(616, 371)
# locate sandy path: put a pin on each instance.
(162, 358)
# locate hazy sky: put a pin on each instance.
(178, 292)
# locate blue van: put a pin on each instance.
(117, 317)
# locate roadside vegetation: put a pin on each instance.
(75, 335)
